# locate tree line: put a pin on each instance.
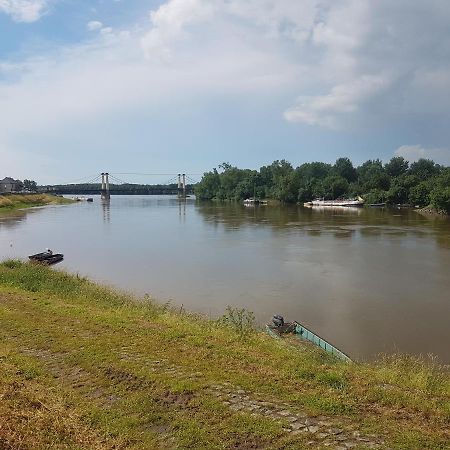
(421, 183)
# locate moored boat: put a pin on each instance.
(278, 327)
(254, 201)
(344, 203)
(47, 258)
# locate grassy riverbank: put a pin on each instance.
(20, 201)
(86, 367)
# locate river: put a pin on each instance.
(368, 280)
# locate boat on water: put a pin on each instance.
(279, 327)
(253, 201)
(47, 258)
(355, 203)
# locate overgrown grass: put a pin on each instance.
(85, 366)
(19, 201)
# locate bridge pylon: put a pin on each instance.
(105, 186)
(181, 185)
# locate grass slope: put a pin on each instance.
(86, 367)
(19, 201)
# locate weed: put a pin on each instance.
(240, 320)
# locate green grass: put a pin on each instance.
(83, 366)
(21, 201)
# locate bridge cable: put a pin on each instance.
(79, 181)
(97, 178)
(192, 180)
(154, 174)
(118, 180)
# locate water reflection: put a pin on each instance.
(106, 209)
(341, 222)
(182, 209)
(11, 219)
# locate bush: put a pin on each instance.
(375, 196)
(241, 320)
(440, 199)
(420, 194)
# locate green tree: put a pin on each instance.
(344, 168)
(209, 186)
(375, 196)
(424, 168)
(396, 166)
(394, 182)
(30, 185)
(397, 194)
(371, 175)
(420, 195)
(314, 170)
(440, 199)
(335, 186)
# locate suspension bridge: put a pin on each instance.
(108, 184)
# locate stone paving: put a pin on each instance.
(321, 431)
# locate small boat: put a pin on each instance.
(47, 258)
(254, 201)
(90, 199)
(377, 205)
(278, 327)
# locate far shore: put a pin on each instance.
(429, 210)
(10, 202)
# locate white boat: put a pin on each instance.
(344, 203)
(251, 202)
(254, 201)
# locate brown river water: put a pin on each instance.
(368, 280)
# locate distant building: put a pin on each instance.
(8, 185)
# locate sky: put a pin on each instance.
(162, 87)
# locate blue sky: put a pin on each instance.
(183, 85)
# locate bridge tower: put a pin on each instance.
(105, 186)
(181, 185)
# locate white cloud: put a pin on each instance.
(343, 99)
(320, 62)
(168, 24)
(94, 25)
(415, 152)
(24, 10)
(106, 30)
(350, 53)
(110, 75)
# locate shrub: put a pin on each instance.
(440, 199)
(240, 320)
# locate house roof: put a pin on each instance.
(9, 180)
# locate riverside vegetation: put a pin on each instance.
(83, 366)
(422, 183)
(19, 201)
